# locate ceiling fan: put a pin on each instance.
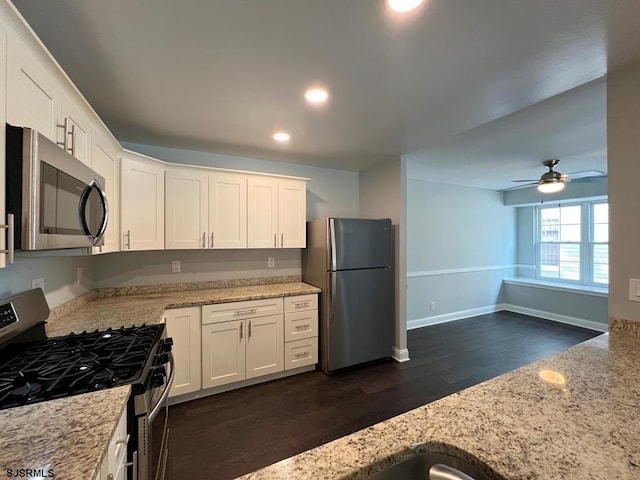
(553, 181)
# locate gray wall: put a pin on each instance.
(383, 195)
(460, 244)
(623, 145)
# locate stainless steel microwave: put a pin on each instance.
(59, 200)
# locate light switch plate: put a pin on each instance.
(175, 266)
(634, 289)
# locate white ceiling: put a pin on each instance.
(222, 75)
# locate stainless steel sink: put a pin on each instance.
(432, 466)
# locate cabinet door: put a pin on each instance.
(183, 325)
(292, 213)
(33, 98)
(265, 347)
(223, 353)
(76, 134)
(186, 204)
(105, 162)
(142, 204)
(228, 210)
(262, 212)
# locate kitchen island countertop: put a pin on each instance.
(570, 416)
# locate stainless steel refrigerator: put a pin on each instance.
(351, 260)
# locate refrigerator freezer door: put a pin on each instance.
(360, 243)
(359, 322)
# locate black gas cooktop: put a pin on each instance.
(73, 364)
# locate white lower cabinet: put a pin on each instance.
(264, 353)
(114, 464)
(300, 331)
(223, 353)
(183, 325)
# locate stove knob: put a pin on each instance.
(157, 380)
(168, 341)
(167, 345)
(163, 358)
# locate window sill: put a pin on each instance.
(560, 287)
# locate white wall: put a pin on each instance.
(383, 195)
(623, 145)
(460, 244)
(329, 192)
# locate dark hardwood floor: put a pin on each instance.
(230, 434)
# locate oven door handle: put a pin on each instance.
(165, 393)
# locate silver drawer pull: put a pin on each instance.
(302, 327)
(124, 440)
(303, 355)
(245, 312)
(301, 304)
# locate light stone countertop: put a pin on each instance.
(68, 435)
(140, 305)
(520, 425)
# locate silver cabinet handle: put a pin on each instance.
(303, 355)
(127, 240)
(204, 236)
(301, 304)
(10, 226)
(63, 126)
(281, 240)
(134, 465)
(72, 135)
(241, 324)
(302, 327)
(245, 312)
(444, 472)
(249, 328)
(275, 240)
(211, 242)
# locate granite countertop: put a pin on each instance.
(113, 308)
(571, 416)
(67, 436)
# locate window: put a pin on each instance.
(572, 243)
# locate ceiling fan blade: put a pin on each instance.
(592, 179)
(586, 173)
(516, 187)
(529, 180)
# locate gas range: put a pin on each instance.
(34, 368)
(76, 363)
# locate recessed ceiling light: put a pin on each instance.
(316, 95)
(281, 137)
(402, 6)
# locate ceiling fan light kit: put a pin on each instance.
(553, 186)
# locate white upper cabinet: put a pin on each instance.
(205, 209)
(187, 194)
(74, 131)
(228, 210)
(104, 156)
(142, 203)
(277, 213)
(292, 213)
(33, 94)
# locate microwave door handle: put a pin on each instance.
(105, 208)
(84, 198)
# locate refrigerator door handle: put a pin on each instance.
(332, 244)
(332, 298)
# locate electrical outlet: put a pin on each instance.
(175, 266)
(79, 274)
(271, 262)
(432, 305)
(38, 283)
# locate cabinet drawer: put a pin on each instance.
(224, 312)
(300, 303)
(298, 325)
(300, 353)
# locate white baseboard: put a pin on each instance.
(450, 317)
(556, 317)
(400, 354)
